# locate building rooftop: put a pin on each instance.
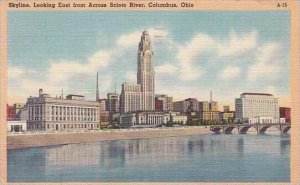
(260, 94)
(77, 95)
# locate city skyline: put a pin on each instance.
(210, 55)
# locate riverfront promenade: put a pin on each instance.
(60, 138)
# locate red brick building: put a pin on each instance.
(159, 105)
(10, 112)
(285, 112)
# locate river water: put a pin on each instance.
(256, 158)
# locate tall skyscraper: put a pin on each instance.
(145, 72)
(140, 96)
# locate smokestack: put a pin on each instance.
(97, 89)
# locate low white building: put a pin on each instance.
(178, 118)
(143, 119)
(16, 126)
(263, 120)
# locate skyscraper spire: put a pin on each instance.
(210, 96)
(97, 89)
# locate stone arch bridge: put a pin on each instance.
(243, 128)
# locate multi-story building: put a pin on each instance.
(187, 105)
(104, 114)
(145, 72)
(140, 96)
(113, 103)
(18, 107)
(130, 97)
(226, 108)
(204, 106)
(180, 106)
(213, 106)
(10, 112)
(53, 114)
(163, 103)
(169, 103)
(210, 115)
(143, 119)
(253, 105)
(159, 105)
(23, 114)
(285, 112)
(226, 115)
(209, 110)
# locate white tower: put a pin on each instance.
(145, 72)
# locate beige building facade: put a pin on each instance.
(252, 105)
(56, 114)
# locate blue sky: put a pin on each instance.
(194, 52)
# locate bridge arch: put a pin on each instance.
(216, 130)
(264, 128)
(228, 130)
(286, 129)
(244, 129)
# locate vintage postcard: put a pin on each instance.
(138, 92)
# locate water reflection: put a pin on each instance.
(189, 158)
(240, 146)
(285, 143)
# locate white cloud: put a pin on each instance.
(238, 45)
(130, 76)
(189, 53)
(100, 60)
(15, 72)
(63, 70)
(132, 39)
(129, 40)
(267, 64)
(192, 49)
(230, 72)
(166, 69)
(271, 89)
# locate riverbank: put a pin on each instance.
(61, 138)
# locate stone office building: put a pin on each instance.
(55, 114)
(253, 105)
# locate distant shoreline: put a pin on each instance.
(51, 139)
